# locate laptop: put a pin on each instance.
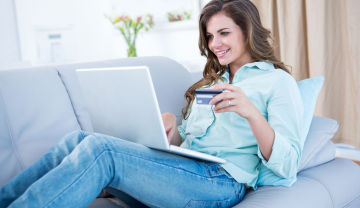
(122, 103)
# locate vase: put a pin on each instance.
(132, 50)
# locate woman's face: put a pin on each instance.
(226, 41)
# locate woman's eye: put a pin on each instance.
(224, 33)
(209, 37)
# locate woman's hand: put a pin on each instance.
(242, 105)
(234, 100)
(172, 132)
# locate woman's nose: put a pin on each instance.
(216, 42)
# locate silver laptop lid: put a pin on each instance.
(122, 103)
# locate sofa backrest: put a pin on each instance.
(170, 80)
(40, 105)
(35, 112)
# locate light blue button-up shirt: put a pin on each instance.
(229, 136)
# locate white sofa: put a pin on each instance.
(39, 105)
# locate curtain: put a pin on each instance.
(322, 38)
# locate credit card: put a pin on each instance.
(203, 96)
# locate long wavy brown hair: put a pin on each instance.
(257, 41)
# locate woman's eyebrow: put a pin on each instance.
(222, 29)
(207, 33)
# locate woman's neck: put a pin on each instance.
(231, 76)
(235, 66)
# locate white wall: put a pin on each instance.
(79, 31)
(9, 46)
(79, 24)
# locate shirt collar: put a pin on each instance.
(260, 65)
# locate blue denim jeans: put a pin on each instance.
(76, 169)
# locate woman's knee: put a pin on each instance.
(71, 140)
(94, 142)
(93, 147)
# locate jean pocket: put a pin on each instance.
(216, 170)
(210, 204)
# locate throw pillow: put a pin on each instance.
(325, 154)
(321, 131)
(309, 90)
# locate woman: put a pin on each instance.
(254, 126)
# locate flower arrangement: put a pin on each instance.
(175, 17)
(130, 27)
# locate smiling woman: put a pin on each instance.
(227, 42)
(241, 60)
(254, 125)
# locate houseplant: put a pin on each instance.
(130, 28)
(175, 16)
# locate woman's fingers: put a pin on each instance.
(232, 100)
(224, 86)
(222, 97)
(233, 93)
(225, 103)
(231, 108)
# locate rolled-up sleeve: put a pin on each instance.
(285, 113)
(182, 129)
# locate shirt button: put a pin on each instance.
(220, 169)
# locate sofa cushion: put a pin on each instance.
(303, 193)
(322, 129)
(35, 113)
(340, 177)
(9, 158)
(108, 203)
(68, 76)
(355, 203)
(333, 184)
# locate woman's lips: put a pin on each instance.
(222, 53)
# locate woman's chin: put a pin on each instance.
(223, 62)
